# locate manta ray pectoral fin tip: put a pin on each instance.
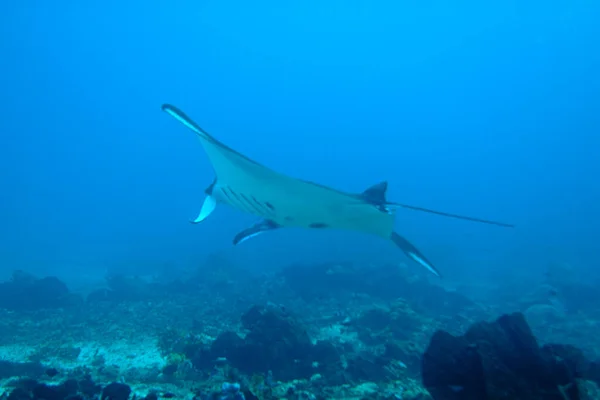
(413, 253)
(171, 109)
(183, 118)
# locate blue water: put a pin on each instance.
(478, 108)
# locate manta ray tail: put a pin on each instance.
(376, 195)
(445, 214)
(413, 253)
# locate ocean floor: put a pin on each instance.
(325, 332)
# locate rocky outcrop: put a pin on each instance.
(275, 341)
(502, 360)
(24, 292)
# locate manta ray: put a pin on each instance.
(282, 201)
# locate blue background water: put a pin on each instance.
(479, 108)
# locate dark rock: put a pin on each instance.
(275, 337)
(116, 391)
(27, 384)
(26, 293)
(248, 395)
(170, 369)
(55, 392)
(227, 345)
(19, 394)
(70, 389)
(88, 387)
(502, 360)
(9, 369)
(276, 341)
(200, 356)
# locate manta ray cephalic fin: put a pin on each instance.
(254, 230)
(209, 205)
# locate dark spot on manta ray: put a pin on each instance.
(318, 225)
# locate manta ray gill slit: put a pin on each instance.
(247, 203)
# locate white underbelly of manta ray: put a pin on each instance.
(306, 208)
(282, 201)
